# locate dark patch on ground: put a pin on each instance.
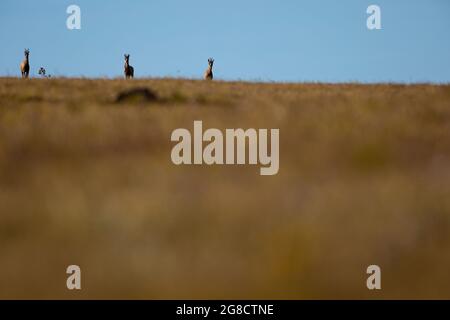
(137, 95)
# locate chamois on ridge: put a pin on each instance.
(25, 65)
(209, 72)
(128, 70)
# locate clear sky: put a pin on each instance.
(258, 40)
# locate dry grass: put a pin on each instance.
(364, 179)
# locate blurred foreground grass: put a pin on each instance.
(364, 179)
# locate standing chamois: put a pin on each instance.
(25, 65)
(209, 72)
(128, 70)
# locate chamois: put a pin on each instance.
(128, 70)
(209, 72)
(25, 65)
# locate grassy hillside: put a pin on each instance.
(364, 179)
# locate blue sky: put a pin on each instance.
(256, 40)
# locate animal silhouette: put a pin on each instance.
(209, 71)
(128, 70)
(25, 65)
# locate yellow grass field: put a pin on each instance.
(364, 179)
